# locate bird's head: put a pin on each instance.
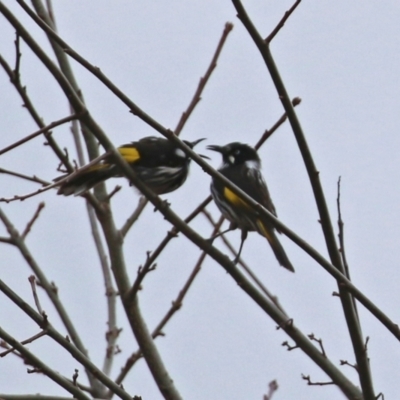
(237, 154)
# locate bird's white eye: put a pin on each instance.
(236, 152)
(180, 153)
(231, 159)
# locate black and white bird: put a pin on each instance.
(158, 162)
(242, 166)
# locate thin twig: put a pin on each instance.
(32, 111)
(22, 197)
(32, 281)
(42, 367)
(319, 341)
(26, 341)
(17, 57)
(170, 235)
(32, 221)
(241, 262)
(59, 181)
(341, 231)
(341, 240)
(23, 176)
(268, 133)
(176, 305)
(45, 130)
(134, 217)
(111, 293)
(203, 81)
(48, 17)
(287, 14)
(44, 283)
(61, 340)
(272, 388)
(311, 383)
(354, 366)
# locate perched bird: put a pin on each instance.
(242, 166)
(158, 162)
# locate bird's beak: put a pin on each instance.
(218, 149)
(192, 144)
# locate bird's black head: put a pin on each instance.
(237, 153)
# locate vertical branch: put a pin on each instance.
(132, 309)
(111, 294)
(65, 67)
(346, 298)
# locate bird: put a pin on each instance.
(242, 166)
(158, 162)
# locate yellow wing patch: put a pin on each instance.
(234, 199)
(130, 154)
(263, 230)
(97, 167)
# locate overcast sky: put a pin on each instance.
(342, 59)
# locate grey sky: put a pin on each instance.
(342, 59)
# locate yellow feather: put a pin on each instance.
(233, 198)
(130, 154)
(97, 167)
(263, 230)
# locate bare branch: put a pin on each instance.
(248, 270)
(32, 221)
(32, 281)
(272, 388)
(134, 217)
(289, 347)
(341, 231)
(42, 367)
(32, 397)
(288, 13)
(319, 341)
(44, 283)
(176, 305)
(344, 362)
(311, 383)
(23, 176)
(75, 377)
(170, 235)
(45, 130)
(345, 296)
(203, 81)
(268, 133)
(31, 109)
(112, 331)
(17, 57)
(47, 16)
(60, 339)
(26, 341)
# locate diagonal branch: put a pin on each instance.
(45, 130)
(61, 340)
(36, 362)
(159, 203)
(286, 16)
(203, 81)
(346, 297)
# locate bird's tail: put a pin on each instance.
(85, 180)
(275, 244)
